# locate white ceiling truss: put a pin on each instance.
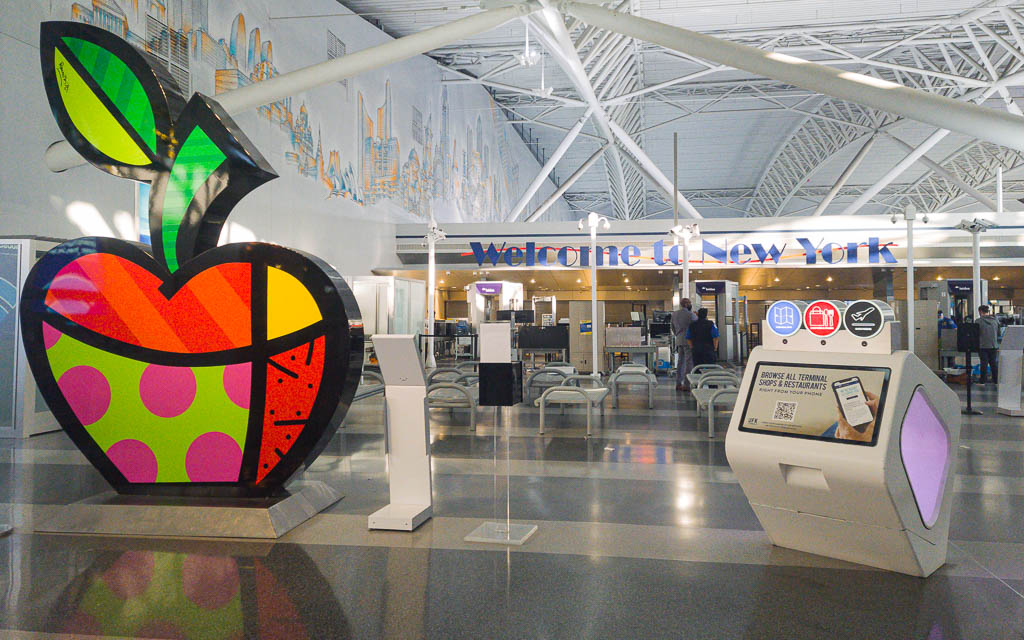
(634, 94)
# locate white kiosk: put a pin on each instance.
(844, 446)
(1011, 356)
(408, 437)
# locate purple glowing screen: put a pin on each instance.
(488, 288)
(924, 445)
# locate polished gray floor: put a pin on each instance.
(643, 533)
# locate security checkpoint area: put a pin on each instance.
(512, 319)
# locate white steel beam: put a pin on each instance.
(939, 169)
(553, 198)
(980, 122)
(551, 31)
(841, 182)
(274, 89)
(647, 167)
(548, 167)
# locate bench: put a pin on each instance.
(449, 388)
(700, 370)
(632, 374)
(713, 389)
(543, 379)
(569, 392)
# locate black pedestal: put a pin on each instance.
(501, 383)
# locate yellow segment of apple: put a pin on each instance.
(290, 306)
(92, 118)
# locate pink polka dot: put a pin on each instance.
(238, 382)
(210, 582)
(134, 459)
(213, 457)
(167, 391)
(50, 336)
(130, 574)
(87, 391)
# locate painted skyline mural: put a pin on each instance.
(472, 171)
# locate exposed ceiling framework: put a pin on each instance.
(748, 145)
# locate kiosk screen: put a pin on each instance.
(816, 401)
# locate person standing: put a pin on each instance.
(703, 338)
(682, 318)
(988, 328)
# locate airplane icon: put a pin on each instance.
(861, 315)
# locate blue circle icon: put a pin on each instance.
(784, 318)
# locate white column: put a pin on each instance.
(430, 361)
(976, 238)
(999, 190)
(910, 214)
(593, 295)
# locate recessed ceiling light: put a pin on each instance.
(661, 271)
(447, 273)
(442, 282)
(776, 278)
(627, 279)
(996, 278)
(939, 278)
(829, 278)
(532, 281)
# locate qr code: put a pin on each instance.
(785, 411)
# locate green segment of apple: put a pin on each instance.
(128, 418)
(197, 160)
(119, 84)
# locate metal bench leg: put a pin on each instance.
(615, 396)
(650, 395)
(711, 419)
(472, 419)
(588, 418)
(542, 404)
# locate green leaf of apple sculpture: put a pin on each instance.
(188, 369)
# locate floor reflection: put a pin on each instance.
(157, 594)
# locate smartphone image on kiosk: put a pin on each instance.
(853, 403)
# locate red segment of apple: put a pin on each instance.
(293, 382)
(120, 299)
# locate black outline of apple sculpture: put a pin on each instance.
(307, 376)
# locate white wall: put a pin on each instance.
(347, 227)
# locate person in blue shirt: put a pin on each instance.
(946, 323)
(702, 336)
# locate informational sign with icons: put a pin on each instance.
(784, 318)
(823, 318)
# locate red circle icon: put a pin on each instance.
(823, 318)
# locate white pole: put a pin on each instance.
(999, 190)
(981, 122)
(686, 267)
(430, 361)
(976, 237)
(60, 156)
(910, 215)
(593, 292)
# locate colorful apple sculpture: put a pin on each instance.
(188, 368)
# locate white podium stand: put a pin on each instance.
(408, 436)
(878, 493)
(1011, 357)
